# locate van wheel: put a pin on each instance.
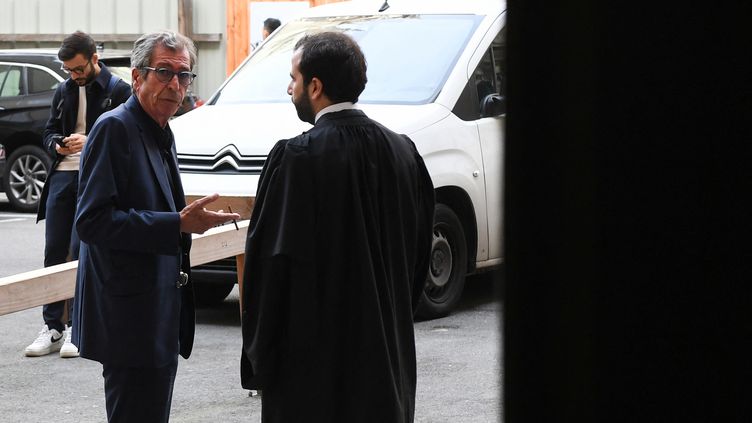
(448, 266)
(25, 173)
(211, 293)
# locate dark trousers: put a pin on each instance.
(61, 239)
(142, 395)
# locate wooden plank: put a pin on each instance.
(207, 38)
(219, 243)
(240, 266)
(37, 287)
(55, 283)
(236, 28)
(185, 17)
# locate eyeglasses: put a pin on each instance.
(77, 70)
(165, 75)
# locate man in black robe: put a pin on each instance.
(337, 254)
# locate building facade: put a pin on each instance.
(220, 28)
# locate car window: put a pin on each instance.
(409, 57)
(488, 74)
(11, 77)
(486, 79)
(3, 75)
(119, 65)
(40, 81)
(121, 70)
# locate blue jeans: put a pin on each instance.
(61, 239)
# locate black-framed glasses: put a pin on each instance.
(77, 70)
(165, 75)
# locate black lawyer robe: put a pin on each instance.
(336, 257)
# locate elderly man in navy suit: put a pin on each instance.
(134, 306)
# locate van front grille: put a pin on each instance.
(227, 160)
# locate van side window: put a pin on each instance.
(487, 79)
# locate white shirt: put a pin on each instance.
(71, 161)
(334, 108)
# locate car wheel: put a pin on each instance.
(211, 293)
(448, 266)
(25, 173)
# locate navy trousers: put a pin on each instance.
(142, 395)
(61, 240)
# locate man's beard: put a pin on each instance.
(304, 108)
(85, 80)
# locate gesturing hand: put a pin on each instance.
(194, 218)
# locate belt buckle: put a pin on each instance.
(182, 280)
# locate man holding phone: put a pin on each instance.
(78, 101)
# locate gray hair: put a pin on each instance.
(145, 45)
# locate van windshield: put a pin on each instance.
(409, 57)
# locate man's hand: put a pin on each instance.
(73, 144)
(194, 218)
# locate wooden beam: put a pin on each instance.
(56, 283)
(185, 17)
(218, 243)
(240, 267)
(38, 287)
(207, 38)
(238, 39)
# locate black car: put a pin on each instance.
(28, 79)
(2, 159)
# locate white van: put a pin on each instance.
(434, 73)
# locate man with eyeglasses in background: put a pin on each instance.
(78, 102)
(134, 305)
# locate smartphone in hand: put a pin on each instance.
(59, 140)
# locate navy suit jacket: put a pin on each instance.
(128, 309)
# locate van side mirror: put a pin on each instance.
(493, 105)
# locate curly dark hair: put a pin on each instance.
(337, 61)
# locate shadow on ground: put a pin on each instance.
(481, 289)
(225, 314)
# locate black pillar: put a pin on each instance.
(627, 285)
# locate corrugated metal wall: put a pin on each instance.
(209, 18)
(43, 23)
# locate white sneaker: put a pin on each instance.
(68, 350)
(48, 341)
